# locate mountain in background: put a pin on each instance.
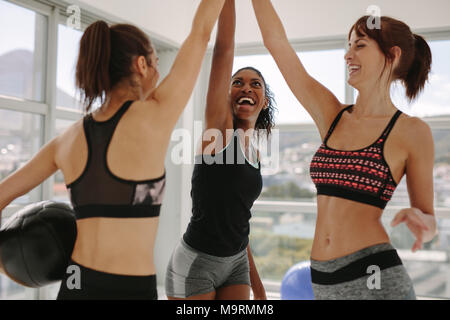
(17, 71)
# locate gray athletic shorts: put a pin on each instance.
(191, 272)
(373, 273)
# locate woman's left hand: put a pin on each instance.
(422, 225)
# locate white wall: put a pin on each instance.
(171, 19)
(305, 19)
(168, 20)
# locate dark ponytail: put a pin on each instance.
(105, 58)
(420, 68)
(92, 75)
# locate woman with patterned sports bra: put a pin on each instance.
(367, 148)
(113, 159)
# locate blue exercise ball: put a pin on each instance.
(296, 284)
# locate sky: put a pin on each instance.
(17, 31)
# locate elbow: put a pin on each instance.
(268, 42)
(225, 50)
(273, 43)
(202, 35)
(202, 31)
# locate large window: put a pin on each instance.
(22, 52)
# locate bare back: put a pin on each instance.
(136, 152)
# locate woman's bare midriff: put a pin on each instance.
(344, 227)
(117, 246)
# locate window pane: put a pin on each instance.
(50, 292)
(293, 182)
(59, 187)
(20, 139)
(331, 74)
(428, 268)
(22, 52)
(9, 290)
(441, 174)
(442, 167)
(281, 239)
(68, 47)
(435, 98)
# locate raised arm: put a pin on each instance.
(175, 90)
(320, 102)
(218, 113)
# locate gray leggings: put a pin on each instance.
(373, 273)
(191, 272)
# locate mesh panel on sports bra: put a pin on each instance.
(98, 192)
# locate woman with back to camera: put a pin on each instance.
(367, 148)
(113, 159)
(213, 259)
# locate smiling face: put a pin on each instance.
(247, 95)
(365, 61)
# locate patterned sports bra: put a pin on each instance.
(360, 175)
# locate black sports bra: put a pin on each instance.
(98, 192)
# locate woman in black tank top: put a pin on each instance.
(213, 260)
(117, 216)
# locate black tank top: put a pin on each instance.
(224, 188)
(98, 192)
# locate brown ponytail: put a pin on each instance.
(105, 58)
(92, 75)
(420, 68)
